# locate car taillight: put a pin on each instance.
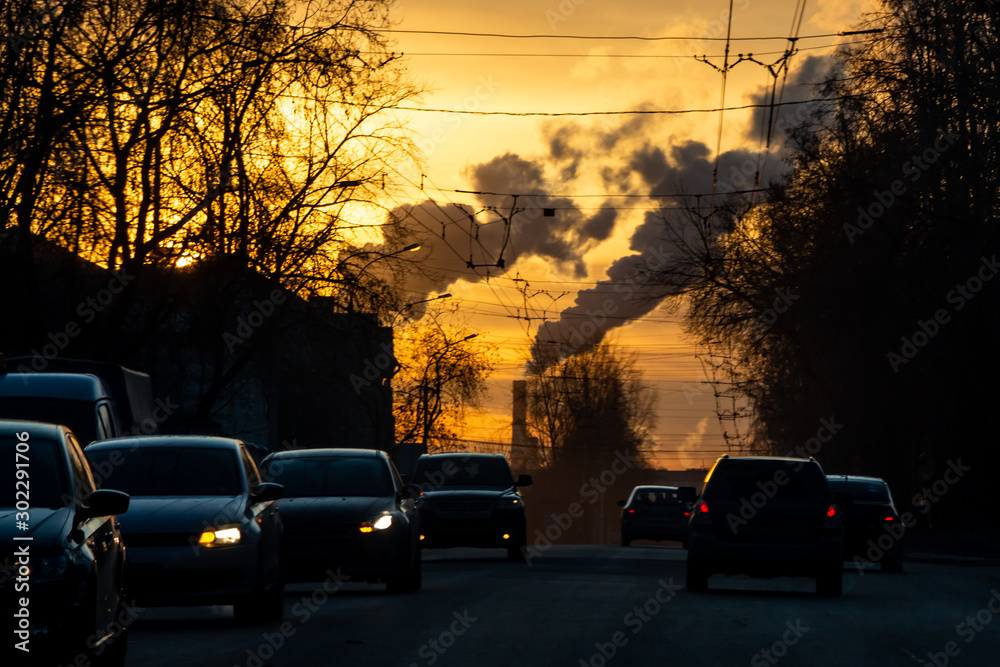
(832, 512)
(687, 513)
(890, 518)
(631, 511)
(703, 507)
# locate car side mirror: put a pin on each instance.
(104, 502)
(267, 491)
(843, 499)
(410, 491)
(687, 494)
(620, 503)
(524, 479)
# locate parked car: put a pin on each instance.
(654, 513)
(471, 500)
(63, 569)
(873, 529)
(347, 511)
(766, 517)
(202, 528)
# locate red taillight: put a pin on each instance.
(703, 507)
(890, 518)
(687, 513)
(631, 511)
(832, 511)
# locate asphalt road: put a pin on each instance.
(594, 605)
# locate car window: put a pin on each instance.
(250, 468)
(171, 471)
(315, 476)
(83, 480)
(863, 491)
(658, 497)
(48, 478)
(105, 429)
(733, 480)
(78, 416)
(463, 471)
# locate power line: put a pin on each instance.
(632, 112)
(599, 55)
(614, 37)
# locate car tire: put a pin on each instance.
(408, 581)
(266, 604)
(830, 584)
(697, 578)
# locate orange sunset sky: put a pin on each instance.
(609, 162)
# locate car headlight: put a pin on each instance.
(509, 503)
(220, 537)
(380, 523)
(53, 565)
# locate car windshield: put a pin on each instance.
(168, 471)
(46, 483)
(77, 416)
(735, 480)
(863, 491)
(463, 472)
(317, 477)
(652, 496)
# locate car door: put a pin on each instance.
(100, 539)
(265, 514)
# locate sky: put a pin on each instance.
(605, 176)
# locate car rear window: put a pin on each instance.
(862, 491)
(785, 481)
(665, 497)
(169, 471)
(48, 480)
(311, 477)
(463, 472)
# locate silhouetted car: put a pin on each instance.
(471, 500)
(202, 529)
(873, 529)
(654, 513)
(347, 512)
(62, 577)
(766, 517)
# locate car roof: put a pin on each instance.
(75, 386)
(463, 455)
(34, 429)
(855, 478)
(141, 441)
(328, 452)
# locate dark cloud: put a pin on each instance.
(799, 87)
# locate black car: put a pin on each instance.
(202, 528)
(347, 512)
(471, 500)
(873, 528)
(766, 517)
(654, 513)
(63, 570)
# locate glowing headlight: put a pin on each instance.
(220, 537)
(509, 503)
(380, 523)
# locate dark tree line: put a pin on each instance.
(865, 286)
